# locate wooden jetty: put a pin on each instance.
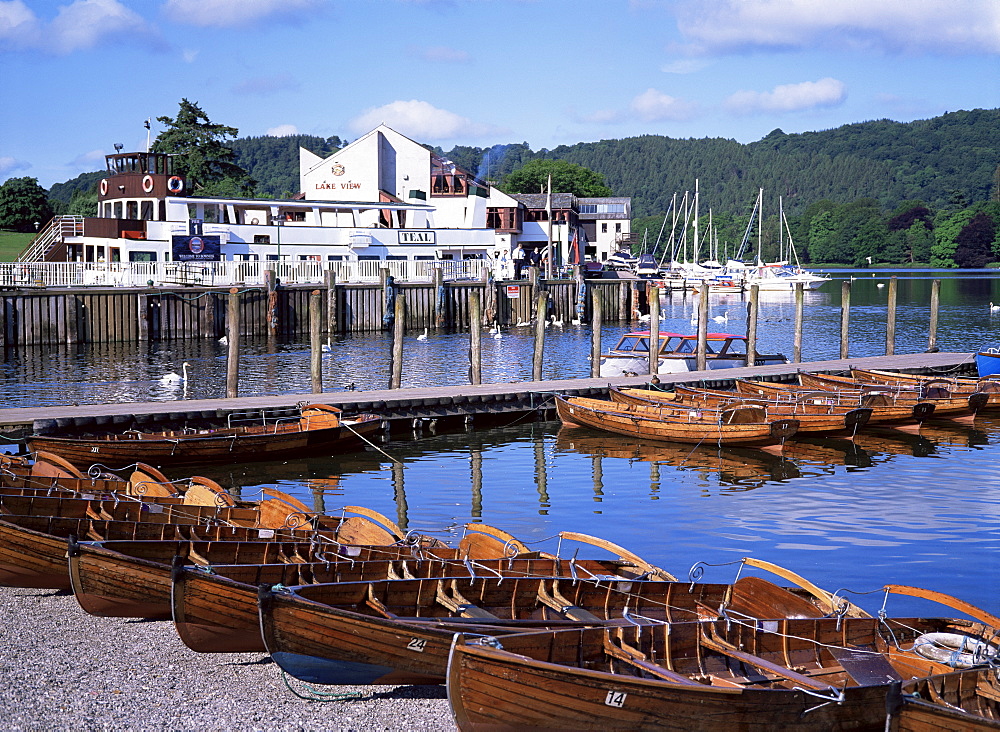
(414, 406)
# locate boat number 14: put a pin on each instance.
(416, 644)
(615, 699)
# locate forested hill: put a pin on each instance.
(929, 160)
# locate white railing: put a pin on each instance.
(225, 274)
(58, 228)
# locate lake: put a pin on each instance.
(889, 507)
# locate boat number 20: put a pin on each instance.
(416, 644)
(615, 699)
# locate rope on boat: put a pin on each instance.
(317, 695)
(369, 442)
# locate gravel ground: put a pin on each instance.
(61, 669)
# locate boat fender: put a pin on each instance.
(954, 649)
(175, 184)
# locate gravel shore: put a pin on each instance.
(62, 669)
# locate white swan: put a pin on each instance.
(644, 318)
(880, 284)
(174, 378)
(724, 318)
(994, 308)
(224, 341)
(557, 323)
(495, 332)
(422, 336)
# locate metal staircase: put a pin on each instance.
(53, 235)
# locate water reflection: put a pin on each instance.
(107, 373)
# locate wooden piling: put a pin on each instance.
(797, 341)
(623, 292)
(398, 328)
(270, 283)
(653, 296)
(890, 320)
(596, 317)
(702, 356)
(315, 344)
(332, 310)
(475, 339)
(845, 317)
(142, 305)
(206, 315)
(440, 299)
(541, 305)
(935, 304)
(754, 310)
(233, 335)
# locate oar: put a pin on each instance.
(948, 600)
(379, 518)
(476, 545)
(622, 553)
(643, 665)
(826, 598)
(718, 645)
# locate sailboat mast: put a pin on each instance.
(760, 226)
(697, 243)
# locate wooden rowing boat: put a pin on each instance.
(30, 556)
(806, 674)
(886, 408)
(217, 611)
(812, 417)
(964, 700)
(739, 425)
(962, 407)
(318, 427)
(400, 631)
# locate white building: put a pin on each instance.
(383, 197)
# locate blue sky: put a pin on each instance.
(81, 75)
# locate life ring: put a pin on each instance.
(104, 186)
(147, 183)
(954, 649)
(175, 184)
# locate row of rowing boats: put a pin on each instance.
(523, 638)
(764, 414)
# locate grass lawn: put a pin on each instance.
(11, 244)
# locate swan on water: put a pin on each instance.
(994, 308)
(175, 378)
(224, 341)
(724, 318)
(327, 347)
(422, 336)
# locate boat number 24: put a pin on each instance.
(615, 699)
(416, 644)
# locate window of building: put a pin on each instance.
(604, 228)
(261, 238)
(618, 228)
(246, 257)
(147, 211)
(396, 258)
(334, 258)
(141, 256)
(118, 209)
(132, 210)
(368, 258)
(423, 258)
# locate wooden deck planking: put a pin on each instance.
(441, 401)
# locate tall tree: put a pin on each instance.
(566, 178)
(200, 151)
(24, 205)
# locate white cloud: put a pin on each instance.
(10, 165)
(190, 55)
(422, 121)
(655, 106)
(945, 26)
(80, 25)
(283, 131)
(231, 13)
(789, 97)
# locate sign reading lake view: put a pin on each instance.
(416, 237)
